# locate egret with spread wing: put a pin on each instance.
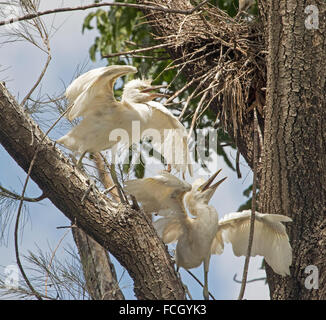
(199, 237)
(91, 96)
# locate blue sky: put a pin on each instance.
(70, 49)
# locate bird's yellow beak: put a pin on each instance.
(207, 185)
(155, 94)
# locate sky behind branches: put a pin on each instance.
(70, 50)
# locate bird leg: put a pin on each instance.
(205, 291)
(116, 182)
(79, 163)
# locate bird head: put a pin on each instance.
(141, 91)
(202, 191)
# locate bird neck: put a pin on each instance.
(197, 208)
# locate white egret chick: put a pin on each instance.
(204, 234)
(91, 96)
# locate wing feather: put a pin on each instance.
(159, 193)
(83, 91)
(270, 237)
(163, 194)
(173, 144)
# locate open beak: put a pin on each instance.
(210, 189)
(155, 94)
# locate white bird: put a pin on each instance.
(91, 96)
(204, 234)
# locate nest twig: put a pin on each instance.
(225, 59)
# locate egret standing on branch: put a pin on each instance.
(91, 96)
(199, 237)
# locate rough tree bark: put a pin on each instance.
(99, 272)
(294, 162)
(126, 233)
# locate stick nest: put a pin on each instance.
(225, 58)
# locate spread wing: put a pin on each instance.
(162, 194)
(93, 85)
(172, 142)
(270, 238)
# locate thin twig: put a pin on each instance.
(20, 266)
(131, 52)
(115, 180)
(50, 262)
(103, 4)
(253, 209)
(190, 97)
(237, 164)
(104, 176)
(7, 193)
(39, 78)
(194, 118)
(248, 281)
(45, 37)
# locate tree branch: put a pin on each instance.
(98, 270)
(103, 4)
(126, 233)
(132, 52)
(9, 194)
(253, 209)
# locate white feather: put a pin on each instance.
(198, 238)
(270, 238)
(91, 90)
(91, 96)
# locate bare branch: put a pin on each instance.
(135, 51)
(50, 262)
(194, 118)
(39, 78)
(253, 209)
(248, 281)
(104, 4)
(7, 193)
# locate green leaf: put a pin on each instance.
(87, 22)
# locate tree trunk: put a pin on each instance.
(294, 163)
(99, 273)
(126, 233)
